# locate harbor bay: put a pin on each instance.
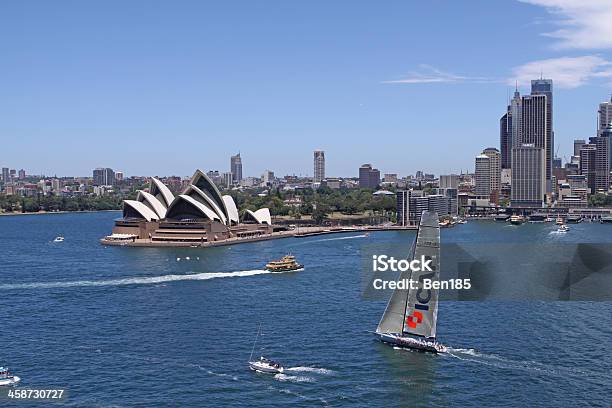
(175, 326)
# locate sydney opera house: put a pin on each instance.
(200, 214)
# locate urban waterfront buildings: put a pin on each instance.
(236, 168)
(319, 166)
(410, 204)
(368, 176)
(488, 174)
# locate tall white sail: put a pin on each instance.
(393, 319)
(421, 307)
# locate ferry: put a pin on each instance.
(6, 378)
(285, 264)
(517, 220)
(559, 221)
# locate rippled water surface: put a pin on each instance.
(148, 327)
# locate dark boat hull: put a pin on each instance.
(410, 343)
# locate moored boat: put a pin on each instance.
(285, 264)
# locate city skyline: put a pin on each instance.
(276, 82)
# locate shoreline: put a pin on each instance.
(315, 231)
(9, 214)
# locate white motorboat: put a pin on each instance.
(59, 239)
(263, 365)
(6, 378)
(563, 228)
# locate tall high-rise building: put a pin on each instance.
(103, 177)
(494, 172)
(587, 164)
(448, 181)
(22, 174)
(545, 87)
(510, 130)
(505, 139)
(604, 117)
(482, 175)
(236, 168)
(515, 112)
(368, 176)
(6, 177)
(528, 176)
(319, 166)
(578, 143)
(602, 163)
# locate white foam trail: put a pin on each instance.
(144, 280)
(293, 378)
(310, 370)
(341, 238)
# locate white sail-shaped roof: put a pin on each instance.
(153, 203)
(261, 216)
(232, 210)
(193, 190)
(201, 181)
(161, 192)
(144, 211)
(199, 208)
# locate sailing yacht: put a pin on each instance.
(264, 365)
(410, 317)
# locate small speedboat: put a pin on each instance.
(563, 228)
(59, 239)
(264, 365)
(6, 378)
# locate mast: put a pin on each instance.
(255, 342)
(420, 313)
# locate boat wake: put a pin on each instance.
(472, 355)
(293, 378)
(340, 238)
(144, 280)
(315, 370)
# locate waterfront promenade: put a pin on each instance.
(294, 233)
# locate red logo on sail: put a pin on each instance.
(414, 319)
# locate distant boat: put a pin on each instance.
(517, 219)
(563, 228)
(6, 378)
(264, 365)
(59, 239)
(559, 221)
(410, 317)
(286, 264)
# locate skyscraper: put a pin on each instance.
(236, 168)
(510, 130)
(368, 176)
(528, 176)
(604, 117)
(6, 175)
(482, 175)
(545, 87)
(103, 177)
(494, 172)
(578, 143)
(602, 163)
(505, 139)
(319, 166)
(587, 165)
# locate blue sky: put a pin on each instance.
(160, 88)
